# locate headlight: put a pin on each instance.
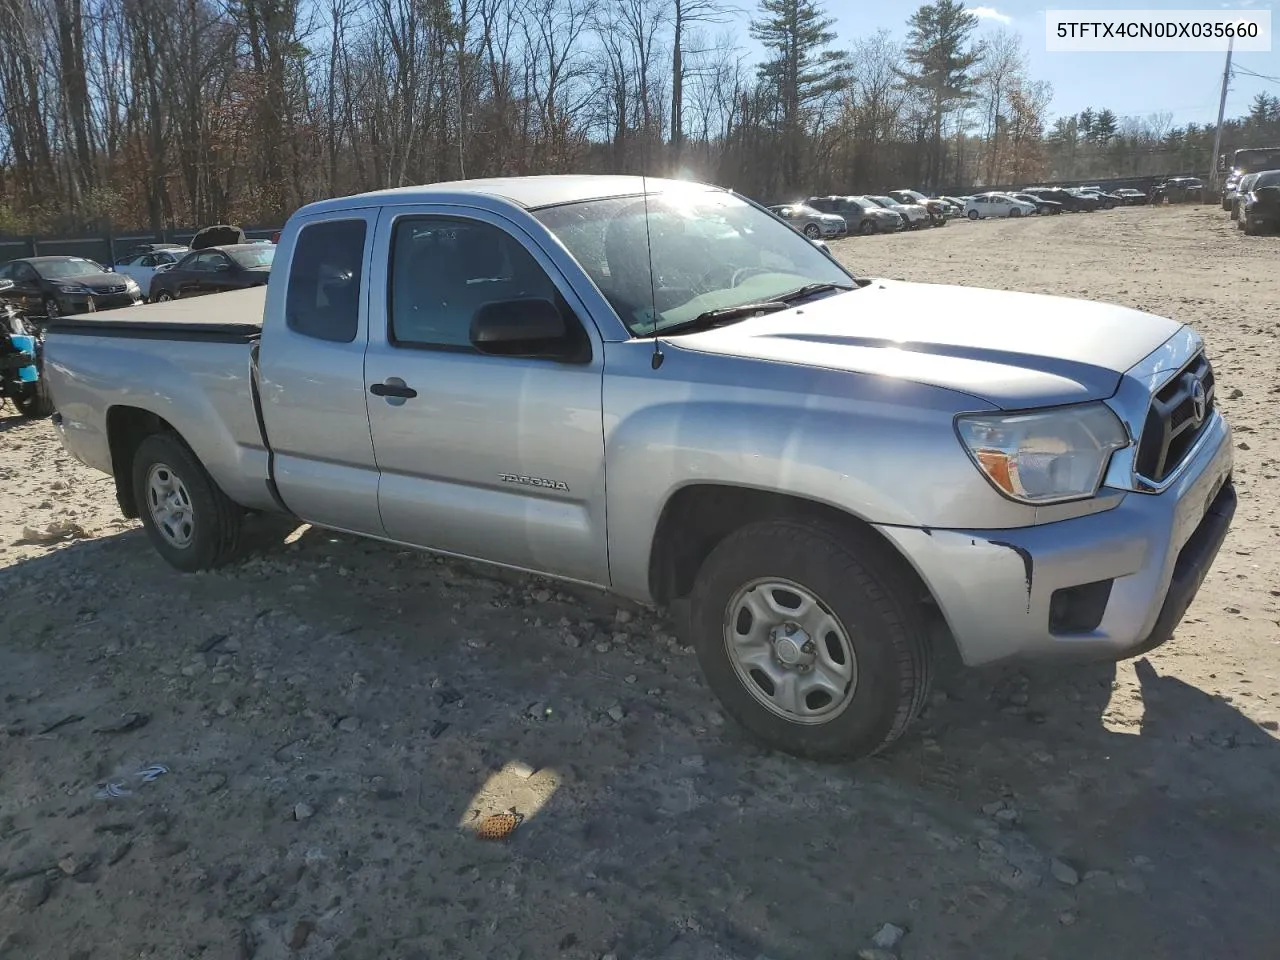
(130, 283)
(1044, 456)
(72, 288)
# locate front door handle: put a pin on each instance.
(393, 387)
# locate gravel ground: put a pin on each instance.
(332, 716)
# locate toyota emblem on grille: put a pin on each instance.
(1199, 402)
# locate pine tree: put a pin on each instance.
(1104, 127)
(938, 47)
(800, 69)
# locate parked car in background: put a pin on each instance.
(860, 215)
(1260, 207)
(1070, 202)
(955, 206)
(214, 270)
(936, 209)
(914, 214)
(1242, 191)
(141, 248)
(814, 224)
(57, 286)
(1040, 203)
(1029, 479)
(1107, 201)
(1130, 197)
(997, 205)
(1183, 189)
(142, 267)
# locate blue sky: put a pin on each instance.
(1187, 85)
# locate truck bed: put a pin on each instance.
(231, 317)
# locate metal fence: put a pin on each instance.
(104, 248)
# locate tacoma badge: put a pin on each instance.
(534, 481)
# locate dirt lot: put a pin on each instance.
(332, 713)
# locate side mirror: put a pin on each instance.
(514, 328)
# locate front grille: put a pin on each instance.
(115, 288)
(1175, 420)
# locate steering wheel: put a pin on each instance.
(743, 272)
(735, 277)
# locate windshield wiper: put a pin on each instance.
(713, 318)
(809, 289)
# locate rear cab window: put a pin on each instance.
(322, 300)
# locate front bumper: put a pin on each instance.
(996, 588)
(74, 303)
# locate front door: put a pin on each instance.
(497, 458)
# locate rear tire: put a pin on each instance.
(869, 659)
(191, 523)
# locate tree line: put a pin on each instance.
(162, 113)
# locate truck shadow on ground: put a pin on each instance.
(382, 689)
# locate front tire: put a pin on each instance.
(1015, 212)
(813, 232)
(51, 310)
(164, 296)
(191, 523)
(867, 228)
(972, 214)
(808, 641)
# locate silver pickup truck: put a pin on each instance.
(660, 389)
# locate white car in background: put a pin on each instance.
(997, 205)
(914, 214)
(141, 267)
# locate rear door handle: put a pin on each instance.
(393, 387)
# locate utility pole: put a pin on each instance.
(1222, 108)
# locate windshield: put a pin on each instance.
(886, 201)
(1250, 161)
(1269, 179)
(711, 250)
(255, 257)
(70, 267)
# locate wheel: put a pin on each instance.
(35, 405)
(51, 310)
(164, 296)
(812, 231)
(867, 228)
(972, 214)
(189, 520)
(1015, 212)
(807, 640)
(1249, 227)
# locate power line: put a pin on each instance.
(1260, 76)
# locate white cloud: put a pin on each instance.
(991, 13)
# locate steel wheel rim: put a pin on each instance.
(790, 651)
(812, 232)
(170, 506)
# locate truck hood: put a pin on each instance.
(1012, 350)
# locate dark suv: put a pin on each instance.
(862, 216)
